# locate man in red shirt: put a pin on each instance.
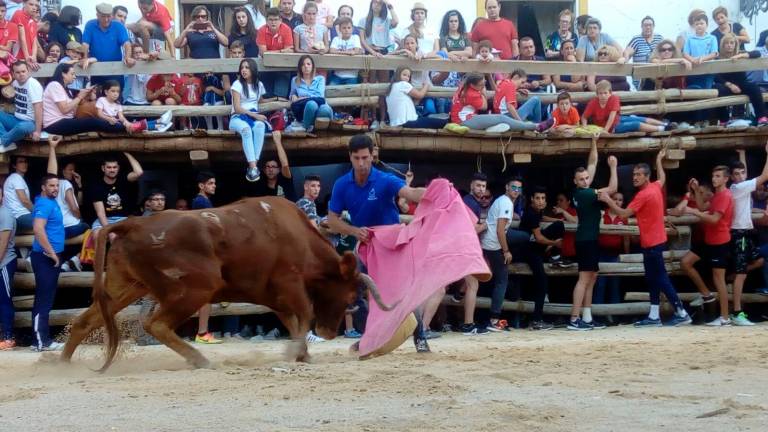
(275, 36)
(9, 33)
(500, 31)
(25, 21)
(155, 19)
(717, 237)
(648, 207)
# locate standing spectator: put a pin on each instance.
(16, 194)
(106, 40)
(26, 21)
(110, 195)
(685, 34)
(643, 45)
(307, 202)
(154, 202)
(563, 33)
(349, 44)
(7, 269)
(53, 52)
(277, 179)
(725, 26)
(310, 37)
(65, 28)
(246, 119)
(345, 11)
(308, 95)
(155, 20)
(9, 35)
(190, 88)
(734, 83)
(257, 10)
(45, 257)
(454, 39)
(375, 35)
(581, 25)
(275, 36)
(27, 118)
(13, 6)
(500, 31)
(288, 16)
(67, 198)
(586, 49)
(324, 14)
(201, 36)
(428, 40)
(401, 102)
(68, 173)
(206, 184)
(699, 48)
(244, 31)
(573, 83)
(181, 204)
(534, 83)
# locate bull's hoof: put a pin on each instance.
(202, 363)
(303, 358)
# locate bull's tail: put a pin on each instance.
(101, 297)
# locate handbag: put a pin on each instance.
(297, 107)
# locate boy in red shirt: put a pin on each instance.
(163, 89)
(9, 34)
(505, 99)
(648, 207)
(717, 236)
(25, 20)
(565, 118)
(275, 36)
(605, 111)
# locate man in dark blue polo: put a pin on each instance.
(106, 40)
(370, 196)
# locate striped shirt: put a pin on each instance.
(643, 49)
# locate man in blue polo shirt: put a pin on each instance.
(106, 40)
(48, 227)
(370, 196)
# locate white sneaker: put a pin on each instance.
(719, 322)
(499, 128)
(44, 135)
(313, 338)
(296, 126)
(741, 320)
(7, 148)
(163, 127)
(166, 117)
(375, 125)
(75, 260)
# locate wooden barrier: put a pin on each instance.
(564, 309)
(606, 269)
(687, 297)
(26, 240)
(225, 110)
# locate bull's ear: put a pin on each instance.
(348, 266)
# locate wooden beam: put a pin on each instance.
(66, 280)
(225, 110)
(711, 67)
(687, 297)
(673, 255)
(564, 309)
(23, 302)
(606, 269)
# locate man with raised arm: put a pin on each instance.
(587, 251)
(648, 207)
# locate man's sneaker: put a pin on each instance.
(271, 335)
(207, 339)
(429, 334)
(7, 345)
(649, 322)
(499, 128)
(678, 321)
(595, 324)
(54, 346)
(497, 326)
(741, 319)
(375, 125)
(578, 325)
(295, 126)
(566, 263)
(252, 174)
(7, 148)
(313, 338)
(473, 329)
(163, 127)
(76, 264)
(540, 325)
(456, 128)
(166, 118)
(352, 334)
(719, 322)
(421, 345)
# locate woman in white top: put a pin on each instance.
(401, 107)
(428, 40)
(258, 11)
(246, 120)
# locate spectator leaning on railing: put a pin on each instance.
(310, 37)
(572, 83)
(275, 36)
(586, 49)
(106, 39)
(243, 30)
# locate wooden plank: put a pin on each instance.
(521, 158)
(607, 269)
(670, 164)
(66, 280)
(225, 110)
(687, 297)
(26, 240)
(675, 154)
(710, 67)
(632, 230)
(671, 107)
(23, 302)
(638, 258)
(635, 308)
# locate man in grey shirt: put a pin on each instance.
(7, 269)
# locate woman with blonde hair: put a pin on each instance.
(736, 83)
(666, 52)
(608, 54)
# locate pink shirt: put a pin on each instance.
(54, 92)
(108, 108)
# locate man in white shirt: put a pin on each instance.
(27, 118)
(743, 251)
(16, 195)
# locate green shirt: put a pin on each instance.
(588, 211)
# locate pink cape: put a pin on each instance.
(409, 263)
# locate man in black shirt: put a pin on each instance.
(110, 195)
(276, 179)
(288, 15)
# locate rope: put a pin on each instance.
(504, 152)
(479, 163)
(661, 96)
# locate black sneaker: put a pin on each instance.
(579, 325)
(597, 325)
(421, 345)
(430, 334)
(473, 329)
(457, 298)
(540, 325)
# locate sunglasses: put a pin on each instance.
(600, 54)
(666, 49)
(202, 16)
(271, 166)
(516, 188)
(485, 197)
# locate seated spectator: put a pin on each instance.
(16, 196)
(734, 83)
(275, 36)
(608, 54)
(581, 25)
(213, 95)
(106, 39)
(699, 48)
(349, 44)
(236, 50)
(310, 37)
(607, 288)
(564, 211)
(27, 118)
(643, 45)
(571, 83)
(74, 56)
(565, 118)
(190, 88)
(345, 11)
(246, 120)
(181, 204)
(667, 52)
(110, 195)
(53, 52)
(287, 15)
(604, 111)
(376, 28)
(401, 98)
(155, 27)
(685, 34)
(505, 100)
(65, 28)
(9, 35)
(135, 91)
(202, 38)
(277, 179)
(534, 83)
(66, 198)
(163, 89)
(154, 202)
(8, 268)
(586, 49)
(242, 30)
(108, 108)
(725, 26)
(26, 21)
(555, 40)
(308, 95)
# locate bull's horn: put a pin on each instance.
(371, 286)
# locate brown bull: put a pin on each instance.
(261, 250)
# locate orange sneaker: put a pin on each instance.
(207, 339)
(7, 345)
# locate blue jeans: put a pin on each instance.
(699, 81)
(75, 230)
(13, 129)
(337, 80)
(252, 136)
(110, 220)
(609, 283)
(46, 281)
(657, 278)
(432, 105)
(313, 111)
(530, 110)
(629, 123)
(7, 310)
(276, 83)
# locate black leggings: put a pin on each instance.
(73, 126)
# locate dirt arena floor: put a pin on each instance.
(618, 379)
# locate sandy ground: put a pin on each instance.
(619, 379)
